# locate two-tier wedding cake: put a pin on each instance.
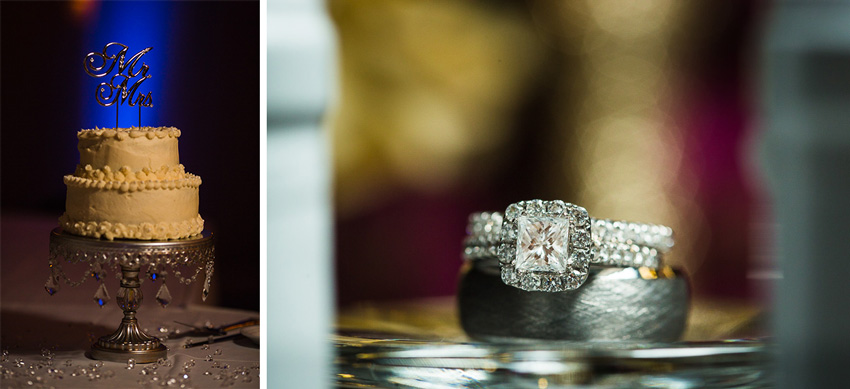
(130, 184)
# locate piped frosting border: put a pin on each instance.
(191, 181)
(132, 132)
(126, 174)
(144, 231)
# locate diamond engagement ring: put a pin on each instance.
(549, 245)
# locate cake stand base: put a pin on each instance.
(129, 341)
(140, 356)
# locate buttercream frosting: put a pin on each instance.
(142, 231)
(129, 184)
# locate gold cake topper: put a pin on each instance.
(117, 90)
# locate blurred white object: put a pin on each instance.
(806, 150)
(301, 66)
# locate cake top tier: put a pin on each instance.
(134, 147)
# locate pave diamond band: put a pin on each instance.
(549, 245)
(615, 243)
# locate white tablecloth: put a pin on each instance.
(68, 330)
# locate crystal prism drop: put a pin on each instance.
(207, 279)
(206, 291)
(101, 297)
(163, 296)
(51, 286)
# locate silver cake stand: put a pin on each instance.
(155, 260)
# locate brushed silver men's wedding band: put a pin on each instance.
(615, 304)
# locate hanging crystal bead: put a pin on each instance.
(162, 275)
(163, 297)
(207, 279)
(52, 285)
(101, 297)
(97, 271)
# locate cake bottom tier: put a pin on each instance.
(157, 214)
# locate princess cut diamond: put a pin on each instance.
(543, 244)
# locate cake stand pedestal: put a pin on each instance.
(128, 259)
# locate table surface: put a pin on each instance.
(68, 330)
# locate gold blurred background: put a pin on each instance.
(636, 111)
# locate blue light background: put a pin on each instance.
(137, 25)
(198, 85)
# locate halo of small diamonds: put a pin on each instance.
(578, 247)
